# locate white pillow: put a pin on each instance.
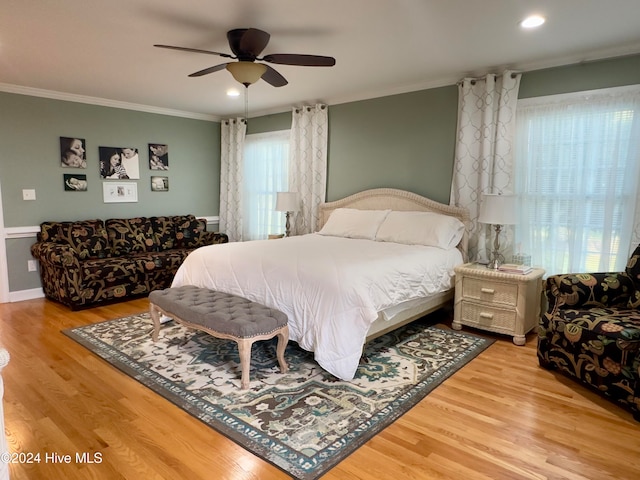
(352, 223)
(421, 228)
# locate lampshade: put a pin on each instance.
(246, 72)
(498, 209)
(287, 202)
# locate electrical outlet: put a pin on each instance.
(28, 194)
(32, 265)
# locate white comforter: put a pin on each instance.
(331, 288)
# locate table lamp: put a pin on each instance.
(287, 202)
(497, 210)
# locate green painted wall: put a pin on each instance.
(612, 72)
(402, 141)
(30, 128)
(269, 123)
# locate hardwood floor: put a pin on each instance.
(500, 417)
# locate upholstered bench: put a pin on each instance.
(222, 315)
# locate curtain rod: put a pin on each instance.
(474, 80)
(309, 107)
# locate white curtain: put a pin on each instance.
(232, 136)
(266, 172)
(308, 163)
(484, 151)
(578, 169)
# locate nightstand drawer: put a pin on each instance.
(484, 290)
(473, 314)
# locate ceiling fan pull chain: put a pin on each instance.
(246, 104)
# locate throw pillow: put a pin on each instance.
(421, 228)
(353, 223)
(188, 231)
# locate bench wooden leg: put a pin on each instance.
(155, 316)
(283, 339)
(244, 348)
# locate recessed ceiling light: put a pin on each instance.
(233, 92)
(532, 21)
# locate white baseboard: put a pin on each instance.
(26, 295)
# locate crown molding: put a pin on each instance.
(103, 102)
(592, 56)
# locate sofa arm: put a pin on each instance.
(55, 254)
(587, 290)
(212, 238)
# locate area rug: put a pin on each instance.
(305, 421)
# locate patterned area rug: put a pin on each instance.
(305, 421)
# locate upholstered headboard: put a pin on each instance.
(400, 200)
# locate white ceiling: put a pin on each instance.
(103, 49)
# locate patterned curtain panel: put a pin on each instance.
(308, 163)
(484, 152)
(232, 136)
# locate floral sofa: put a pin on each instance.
(591, 331)
(88, 262)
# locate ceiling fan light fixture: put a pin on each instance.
(246, 73)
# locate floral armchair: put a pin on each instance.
(591, 331)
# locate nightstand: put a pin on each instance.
(499, 302)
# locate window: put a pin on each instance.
(577, 171)
(266, 172)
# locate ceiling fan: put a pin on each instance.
(246, 44)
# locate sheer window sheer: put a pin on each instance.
(577, 172)
(266, 172)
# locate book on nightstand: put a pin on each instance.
(515, 268)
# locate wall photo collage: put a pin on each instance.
(115, 164)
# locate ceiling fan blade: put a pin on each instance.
(195, 50)
(303, 60)
(272, 77)
(209, 70)
(247, 43)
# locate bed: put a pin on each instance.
(364, 272)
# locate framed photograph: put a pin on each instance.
(119, 163)
(75, 183)
(158, 156)
(159, 184)
(73, 152)
(119, 192)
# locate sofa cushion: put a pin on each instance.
(633, 270)
(591, 326)
(130, 235)
(164, 230)
(88, 237)
(189, 231)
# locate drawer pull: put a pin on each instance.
(487, 290)
(486, 315)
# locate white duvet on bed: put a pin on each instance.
(330, 288)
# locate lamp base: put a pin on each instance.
(497, 258)
(287, 232)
